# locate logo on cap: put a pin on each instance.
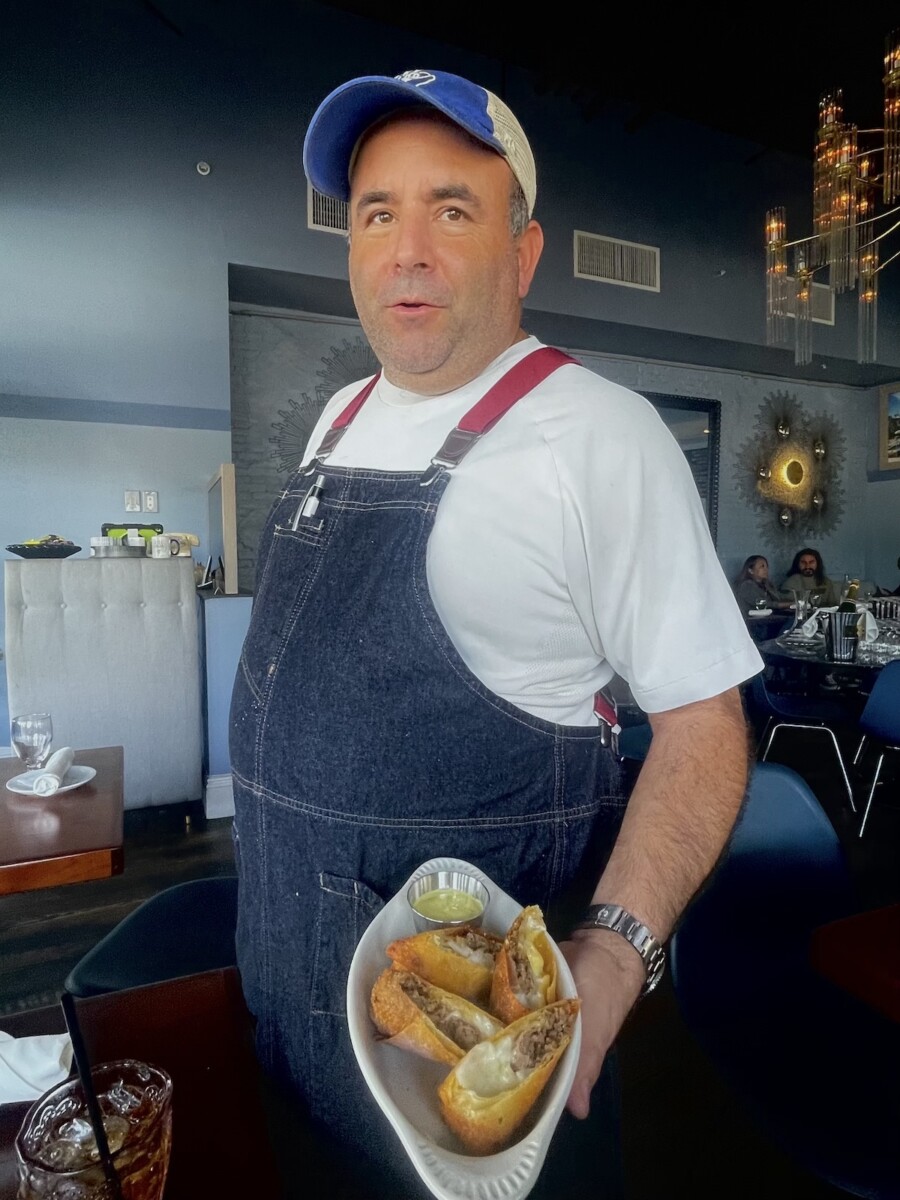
(416, 77)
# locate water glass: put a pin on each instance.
(56, 1149)
(31, 737)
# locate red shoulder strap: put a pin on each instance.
(516, 383)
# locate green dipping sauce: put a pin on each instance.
(448, 904)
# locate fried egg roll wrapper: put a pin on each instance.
(491, 1091)
(415, 1015)
(525, 975)
(459, 960)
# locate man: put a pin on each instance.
(807, 574)
(468, 555)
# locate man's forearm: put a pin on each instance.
(681, 811)
(678, 818)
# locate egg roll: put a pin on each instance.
(524, 977)
(492, 1089)
(415, 1015)
(458, 959)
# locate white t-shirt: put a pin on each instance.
(570, 544)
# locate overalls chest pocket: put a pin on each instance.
(291, 546)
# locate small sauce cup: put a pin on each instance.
(445, 899)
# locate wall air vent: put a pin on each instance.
(610, 260)
(821, 302)
(325, 214)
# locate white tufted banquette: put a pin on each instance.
(109, 647)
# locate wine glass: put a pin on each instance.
(31, 738)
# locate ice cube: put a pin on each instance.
(72, 1146)
(123, 1099)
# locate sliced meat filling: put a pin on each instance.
(450, 1021)
(537, 1043)
(525, 981)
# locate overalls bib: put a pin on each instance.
(362, 745)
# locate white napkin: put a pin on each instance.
(810, 627)
(54, 772)
(30, 1066)
(868, 628)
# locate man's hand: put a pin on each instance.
(608, 977)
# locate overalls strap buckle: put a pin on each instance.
(607, 714)
(341, 423)
(329, 441)
(457, 445)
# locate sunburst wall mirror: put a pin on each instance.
(789, 471)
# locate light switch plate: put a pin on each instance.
(132, 501)
(151, 501)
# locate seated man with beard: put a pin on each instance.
(807, 574)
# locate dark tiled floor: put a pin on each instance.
(684, 1134)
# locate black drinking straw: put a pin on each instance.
(83, 1066)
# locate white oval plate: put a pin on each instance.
(74, 777)
(405, 1085)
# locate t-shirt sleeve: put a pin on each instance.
(641, 563)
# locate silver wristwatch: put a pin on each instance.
(619, 920)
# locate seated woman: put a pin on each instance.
(754, 589)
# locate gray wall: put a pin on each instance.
(114, 253)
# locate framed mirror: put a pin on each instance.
(695, 424)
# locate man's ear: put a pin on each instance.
(531, 244)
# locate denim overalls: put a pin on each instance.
(362, 745)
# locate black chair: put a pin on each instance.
(817, 1069)
(183, 930)
(774, 711)
(880, 721)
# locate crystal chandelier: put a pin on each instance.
(853, 168)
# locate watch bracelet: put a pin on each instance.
(625, 924)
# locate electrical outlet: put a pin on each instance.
(151, 501)
(132, 501)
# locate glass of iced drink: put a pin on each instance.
(57, 1151)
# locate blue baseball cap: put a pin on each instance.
(347, 112)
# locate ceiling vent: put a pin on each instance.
(821, 302)
(324, 213)
(610, 260)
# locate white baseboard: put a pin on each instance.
(218, 796)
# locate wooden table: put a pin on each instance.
(197, 1028)
(46, 841)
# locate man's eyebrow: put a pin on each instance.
(367, 199)
(449, 191)
(456, 191)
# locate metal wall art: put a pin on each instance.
(790, 469)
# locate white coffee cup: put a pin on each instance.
(162, 546)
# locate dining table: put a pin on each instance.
(69, 837)
(232, 1132)
(196, 1028)
(802, 661)
(767, 623)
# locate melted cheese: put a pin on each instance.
(486, 1069)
